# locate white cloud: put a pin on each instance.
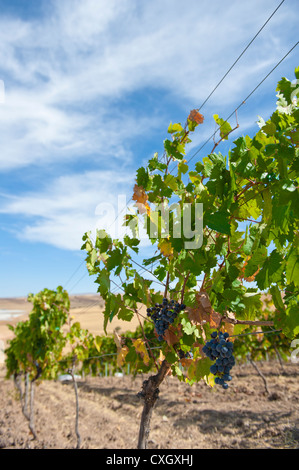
(34, 131)
(64, 72)
(69, 207)
(67, 72)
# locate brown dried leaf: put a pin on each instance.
(196, 116)
(186, 362)
(215, 319)
(172, 336)
(229, 328)
(204, 302)
(29, 357)
(193, 315)
(117, 339)
(200, 346)
(230, 315)
(201, 313)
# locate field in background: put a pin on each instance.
(85, 309)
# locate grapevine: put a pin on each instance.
(256, 185)
(210, 266)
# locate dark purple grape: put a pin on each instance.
(220, 350)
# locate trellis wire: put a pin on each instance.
(158, 347)
(255, 333)
(203, 145)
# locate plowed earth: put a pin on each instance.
(243, 417)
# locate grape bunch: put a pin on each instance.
(220, 350)
(164, 315)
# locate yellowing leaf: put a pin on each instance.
(141, 199)
(166, 248)
(260, 336)
(171, 182)
(140, 348)
(210, 380)
(121, 355)
(122, 351)
(161, 357)
(173, 128)
(182, 168)
(191, 370)
(250, 208)
(267, 205)
(98, 343)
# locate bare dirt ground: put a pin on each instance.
(197, 417)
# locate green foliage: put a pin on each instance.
(38, 342)
(250, 235)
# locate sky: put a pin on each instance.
(87, 92)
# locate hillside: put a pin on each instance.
(85, 309)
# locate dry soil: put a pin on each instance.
(197, 417)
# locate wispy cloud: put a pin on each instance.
(78, 86)
(68, 207)
(34, 131)
(61, 86)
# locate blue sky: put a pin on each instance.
(90, 89)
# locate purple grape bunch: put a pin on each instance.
(164, 315)
(220, 350)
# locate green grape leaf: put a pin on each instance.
(271, 270)
(225, 127)
(174, 149)
(143, 178)
(249, 240)
(171, 182)
(285, 87)
(218, 221)
(175, 128)
(202, 370)
(292, 269)
(269, 128)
